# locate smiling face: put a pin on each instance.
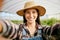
(31, 15)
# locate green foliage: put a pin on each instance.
(17, 21)
(49, 22)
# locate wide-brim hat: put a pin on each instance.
(32, 4)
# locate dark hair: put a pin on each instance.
(37, 20)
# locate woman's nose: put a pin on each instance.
(31, 14)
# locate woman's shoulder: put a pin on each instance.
(43, 26)
(21, 26)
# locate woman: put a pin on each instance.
(31, 28)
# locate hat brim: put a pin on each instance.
(41, 9)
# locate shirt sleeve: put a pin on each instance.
(10, 30)
(46, 30)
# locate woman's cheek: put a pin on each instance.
(35, 17)
(26, 16)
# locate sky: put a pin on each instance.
(10, 16)
(52, 7)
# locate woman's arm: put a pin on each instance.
(8, 29)
(46, 32)
(54, 31)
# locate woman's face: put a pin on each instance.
(31, 15)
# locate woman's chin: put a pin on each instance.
(31, 21)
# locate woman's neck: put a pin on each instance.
(31, 24)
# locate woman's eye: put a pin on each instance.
(33, 12)
(27, 12)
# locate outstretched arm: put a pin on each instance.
(46, 32)
(8, 29)
(52, 32)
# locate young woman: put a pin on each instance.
(31, 28)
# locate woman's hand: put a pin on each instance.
(1, 27)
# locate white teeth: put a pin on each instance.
(30, 19)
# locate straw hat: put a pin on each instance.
(32, 4)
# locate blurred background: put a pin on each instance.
(8, 10)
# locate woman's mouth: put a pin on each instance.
(30, 19)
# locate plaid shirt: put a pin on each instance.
(19, 32)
